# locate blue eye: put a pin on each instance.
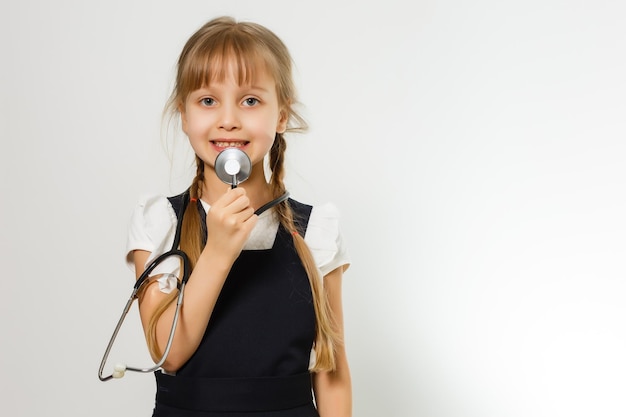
(207, 101)
(251, 101)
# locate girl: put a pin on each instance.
(260, 331)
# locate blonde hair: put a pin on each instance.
(203, 59)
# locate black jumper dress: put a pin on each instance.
(254, 356)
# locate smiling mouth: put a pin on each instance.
(229, 144)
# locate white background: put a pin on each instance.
(475, 149)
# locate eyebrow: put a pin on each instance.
(242, 86)
(256, 87)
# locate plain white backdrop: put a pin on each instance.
(475, 149)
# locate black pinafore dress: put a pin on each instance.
(254, 356)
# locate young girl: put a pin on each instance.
(260, 332)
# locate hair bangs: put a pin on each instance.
(233, 55)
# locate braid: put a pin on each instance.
(277, 156)
(191, 243)
(198, 181)
(191, 235)
(326, 338)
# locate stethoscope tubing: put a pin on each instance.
(144, 277)
(179, 302)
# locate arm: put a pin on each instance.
(333, 390)
(229, 222)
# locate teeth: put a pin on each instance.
(229, 144)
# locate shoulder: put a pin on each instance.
(323, 227)
(319, 215)
(151, 224)
(152, 208)
(324, 238)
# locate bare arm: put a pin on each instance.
(333, 390)
(229, 223)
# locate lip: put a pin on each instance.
(221, 144)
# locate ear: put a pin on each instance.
(283, 118)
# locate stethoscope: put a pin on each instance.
(233, 167)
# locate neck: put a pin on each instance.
(257, 188)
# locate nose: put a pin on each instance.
(229, 118)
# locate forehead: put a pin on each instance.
(245, 69)
(241, 73)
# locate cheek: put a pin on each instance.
(193, 125)
(261, 127)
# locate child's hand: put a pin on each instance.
(229, 222)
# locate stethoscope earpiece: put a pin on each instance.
(233, 166)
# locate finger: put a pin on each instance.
(238, 205)
(232, 221)
(244, 215)
(250, 222)
(229, 197)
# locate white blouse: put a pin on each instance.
(153, 226)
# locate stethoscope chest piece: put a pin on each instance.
(233, 166)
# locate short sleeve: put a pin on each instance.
(152, 228)
(325, 239)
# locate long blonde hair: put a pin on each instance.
(202, 60)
